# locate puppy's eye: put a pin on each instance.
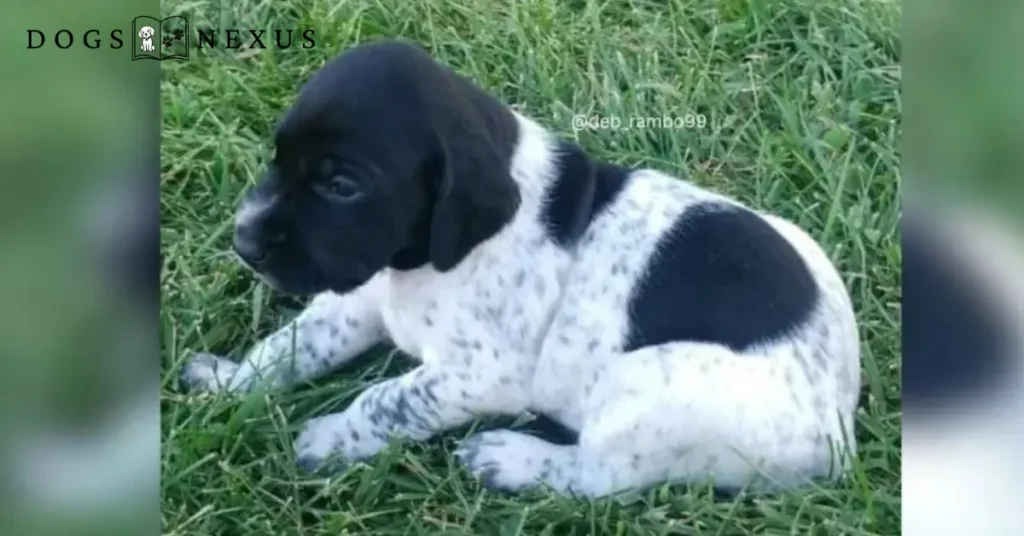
(344, 188)
(333, 182)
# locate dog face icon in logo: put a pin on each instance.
(147, 33)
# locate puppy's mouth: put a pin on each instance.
(260, 274)
(300, 286)
(284, 274)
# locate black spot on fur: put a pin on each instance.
(583, 189)
(722, 275)
(551, 431)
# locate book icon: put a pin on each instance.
(160, 39)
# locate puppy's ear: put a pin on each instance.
(476, 197)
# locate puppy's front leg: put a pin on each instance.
(435, 397)
(331, 331)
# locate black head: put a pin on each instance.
(386, 159)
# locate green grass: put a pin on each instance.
(803, 111)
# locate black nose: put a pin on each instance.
(250, 247)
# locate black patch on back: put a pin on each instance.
(721, 274)
(584, 187)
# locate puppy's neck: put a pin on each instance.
(529, 160)
(562, 187)
(534, 165)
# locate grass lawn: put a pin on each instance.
(801, 116)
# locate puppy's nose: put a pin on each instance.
(250, 246)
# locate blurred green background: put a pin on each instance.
(79, 450)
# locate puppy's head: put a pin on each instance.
(386, 159)
(146, 32)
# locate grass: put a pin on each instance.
(801, 109)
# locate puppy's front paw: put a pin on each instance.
(327, 445)
(512, 461)
(206, 373)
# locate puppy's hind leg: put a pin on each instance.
(513, 461)
(681, 413)
(694, 413)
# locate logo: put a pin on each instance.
(160, 39)
(172, 38)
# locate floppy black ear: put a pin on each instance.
(476, 197)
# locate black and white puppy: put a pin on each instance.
(684, 336)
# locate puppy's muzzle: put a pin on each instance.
(250, 246)
(255, 243)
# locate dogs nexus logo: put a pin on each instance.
(160, 39)
(173, 38)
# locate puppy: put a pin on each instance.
(683, 336)
(147, 33)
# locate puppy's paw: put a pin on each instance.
(512, 461)
(328, 445)
(206, 373)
